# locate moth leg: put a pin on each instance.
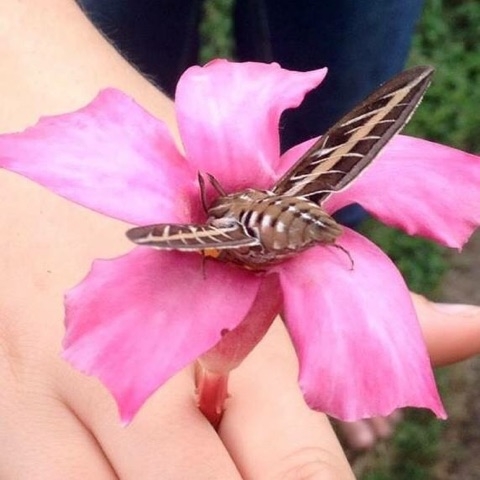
(204, 260)
(344, 250)
(208, 253)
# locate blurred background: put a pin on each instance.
(447, 37)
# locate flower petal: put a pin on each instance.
(422, 187)
(111, 156)
(137, 320)
(228, 115)
(359, 344)
(238, 343)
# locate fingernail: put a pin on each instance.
(457, 308)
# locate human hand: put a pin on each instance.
(58, 423)
(451, 331)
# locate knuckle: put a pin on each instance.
(313, 463)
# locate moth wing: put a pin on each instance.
(348, 147)
(189, 237)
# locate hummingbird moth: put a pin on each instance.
(256, 228)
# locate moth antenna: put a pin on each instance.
(216, 185)
(344, 250)
(203, 193)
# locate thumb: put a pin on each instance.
(451, 331)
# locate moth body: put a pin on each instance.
(257, 228)
(282, 226)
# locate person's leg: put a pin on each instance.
(159, 36)
(362, 44)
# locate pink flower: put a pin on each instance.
(137, 320)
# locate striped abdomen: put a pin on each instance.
(283, 225)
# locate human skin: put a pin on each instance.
(58, 423)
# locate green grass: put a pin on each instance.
(216, 30)
(411, 453)
(447, 37)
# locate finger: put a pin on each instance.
(48, 442)
(168, 438)
(41, 438)
(452, 332)
(364, 434)
(357, 435)
(268, 428)
(382, 427)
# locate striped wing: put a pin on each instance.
(191, 237)
(353, 142)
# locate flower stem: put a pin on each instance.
(212, 392)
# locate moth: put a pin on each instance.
(257, 228)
